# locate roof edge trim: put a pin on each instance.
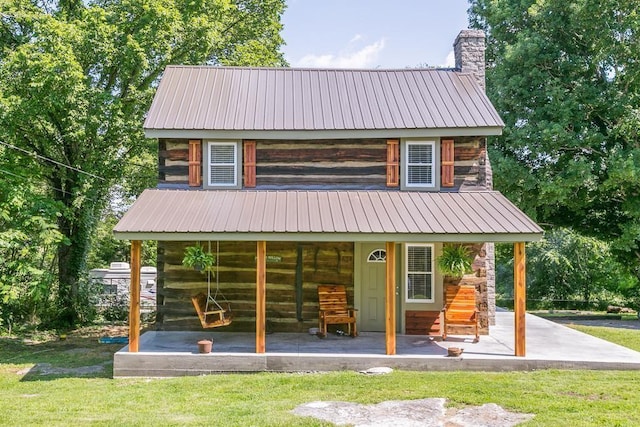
(320, 134)
(335, 237)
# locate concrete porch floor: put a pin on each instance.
(549, 345)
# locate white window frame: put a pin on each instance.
(236, 164)
(433, 164)
(377, 255)
(431, 273)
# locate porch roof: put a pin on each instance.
(355, 216)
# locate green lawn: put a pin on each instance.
(577, 398)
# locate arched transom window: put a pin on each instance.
(377, 255)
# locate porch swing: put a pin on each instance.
(210, 312)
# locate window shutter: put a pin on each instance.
(393, 162)
(249, 163)
(195, 162)
(447, 152)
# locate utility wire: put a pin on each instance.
(27, 179)
(51, 160)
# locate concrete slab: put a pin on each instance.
(549, 345)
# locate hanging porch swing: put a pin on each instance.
(213, 308)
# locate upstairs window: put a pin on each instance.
(222, 164)
(419, 273)
(420, 164)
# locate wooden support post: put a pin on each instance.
(390, 299)
(134, 300)
(261, 296)
(519, 297)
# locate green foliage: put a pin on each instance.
(455, 260)
(28, 234)
(195, 257)
(76, 79)
(565, 77)
(565, 266)
(105, 248)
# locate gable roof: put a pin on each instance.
(238, 99)
(351, 216)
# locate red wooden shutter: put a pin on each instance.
(393, 163)
(249, 163)
(195, 162)
(447, 152)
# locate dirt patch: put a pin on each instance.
(48, 369)
(409, 413)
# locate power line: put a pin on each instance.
(27, 179)
(51, 160)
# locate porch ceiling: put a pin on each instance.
(354, 216)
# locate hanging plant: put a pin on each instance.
(455, 261)
(195, 257)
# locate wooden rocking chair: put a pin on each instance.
(211, 314)
(460, 309)
(334, 310)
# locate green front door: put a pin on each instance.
(373, 265)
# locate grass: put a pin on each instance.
(580, 398)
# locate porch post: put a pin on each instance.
(134, 297)
(390, 299)
(519, 297)
(261, 296)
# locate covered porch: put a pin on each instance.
(552, 346)
(328, 216)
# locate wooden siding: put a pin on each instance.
(321, 263)
(173, 161)
(326, 163)
(353, 163)
(469, 163)
(422, 322)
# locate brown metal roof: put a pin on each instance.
(288, 99)
(325, 216)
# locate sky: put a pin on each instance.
(372, 33)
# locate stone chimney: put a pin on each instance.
(469, 53)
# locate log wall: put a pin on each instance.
(469, 163)
(173, 161)
(356, 163)
(289, 280)
(326, 163)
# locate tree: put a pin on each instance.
(77, 77)
(565, 77)
(566, 266)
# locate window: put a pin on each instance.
(378, 255)
(419, 273)
(222, 166)
(420, 164)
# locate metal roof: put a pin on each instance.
(325, 216)
(290, 99)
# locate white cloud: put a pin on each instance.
(362, 58)
(356, 38)
(450, 61)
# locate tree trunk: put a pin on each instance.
(77, 222)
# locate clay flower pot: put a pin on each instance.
(204, 346)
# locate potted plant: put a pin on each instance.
(455, 261)
(195, 257)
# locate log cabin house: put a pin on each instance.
(300, 177)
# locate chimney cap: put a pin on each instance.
(468, 33)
